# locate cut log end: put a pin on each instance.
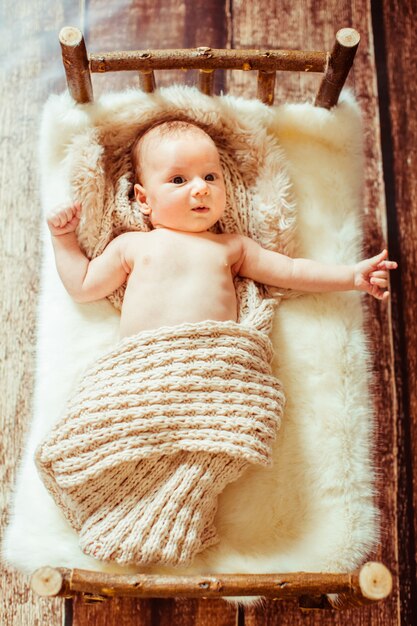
(70, 36)
(46, 581)
(375, 581)
(348, 37)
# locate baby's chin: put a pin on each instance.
(201, 227)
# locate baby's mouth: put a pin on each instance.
(201, 209)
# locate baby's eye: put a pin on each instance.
(178, 180)
(210, 177)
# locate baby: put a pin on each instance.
(180, 271)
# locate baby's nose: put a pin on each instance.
(200, 187)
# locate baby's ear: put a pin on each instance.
(141, 198)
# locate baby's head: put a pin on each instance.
(179, 181)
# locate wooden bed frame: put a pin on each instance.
(335, 65)
(373, 581)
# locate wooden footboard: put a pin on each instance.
(371, 583)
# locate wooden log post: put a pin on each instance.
(47, 582)
(371, 583)
(338, 66)
(266, 87)
(147, 81)
(76, 64)
(206, 81)
(374, 583)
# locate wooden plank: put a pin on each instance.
(287, 612)
(115, 612)
(379, 325)
(206, 24)
(141, 24)
(193, 613)
(164, 612)
(126, 612)
(311, 25)
(133, 24)
(395, 44)
(290, 25)
(31, 68)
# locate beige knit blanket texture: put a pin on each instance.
(162, 423)
(154, 433)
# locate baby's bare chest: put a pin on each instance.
(182, 257)
(177, 279)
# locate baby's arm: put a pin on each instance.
(84, 280)
(272, 268)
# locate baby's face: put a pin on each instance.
(182, 182)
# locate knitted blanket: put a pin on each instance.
(156, 430)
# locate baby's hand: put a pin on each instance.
(371, 275)
(63, 219)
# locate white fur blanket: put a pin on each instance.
(313, 510)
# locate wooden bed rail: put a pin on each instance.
(371, 583)
(335, 65)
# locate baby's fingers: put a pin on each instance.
(64, 218)
(379, 293)
(70, 213)
(379, 274)
(387, 265)
(379, 277)
(54, 221)
(58, 221)
(379, 282)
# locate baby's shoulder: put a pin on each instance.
(130, 245)
(131, 236)
(131, 242)
(226, 238)
(233, 243)
(231, 240)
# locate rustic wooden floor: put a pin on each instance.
(383, 80)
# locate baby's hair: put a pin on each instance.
(164, 128)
